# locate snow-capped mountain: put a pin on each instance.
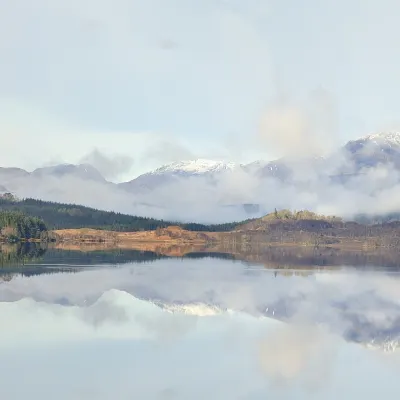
(223, 189)
(195, 167)
(374, 149)
(368, 151)
(176, 171)
(387, 139)
(212, 171)
(269, 184)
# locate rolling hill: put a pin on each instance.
(71, 216)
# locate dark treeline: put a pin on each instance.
(71, 216)
(14, 225)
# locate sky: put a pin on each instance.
(156, 81)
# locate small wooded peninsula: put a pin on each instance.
(16, 226)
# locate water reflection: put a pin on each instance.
(199, 328)
(19, 254)
(289, 260)
(360, 306)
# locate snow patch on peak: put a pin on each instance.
(199, 166)
(387, 138)
(196, 309)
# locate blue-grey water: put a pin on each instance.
(144, 326)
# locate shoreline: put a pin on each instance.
(226, 242)
(176, 236)
(231, 241)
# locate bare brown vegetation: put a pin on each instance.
(280, 228)
(170, 235)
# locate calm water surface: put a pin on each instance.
(132, 325)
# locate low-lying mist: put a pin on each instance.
(220, 198)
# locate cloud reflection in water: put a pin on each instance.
(95, 335)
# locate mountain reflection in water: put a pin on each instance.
(274, 322)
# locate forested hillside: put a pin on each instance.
(70, 216)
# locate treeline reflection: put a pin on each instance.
(285, 261)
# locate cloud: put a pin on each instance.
(104, 71)
(111, 167)
(168, 44)
(220, 198)
(300, 129)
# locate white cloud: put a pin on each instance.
(111, 167)
(96, 69)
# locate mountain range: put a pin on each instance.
(361, 176)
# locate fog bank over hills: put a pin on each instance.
(360, 177)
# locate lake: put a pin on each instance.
(125, 324)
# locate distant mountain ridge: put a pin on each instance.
(216, 188)
(83, 171)
(367, 151)
(379, 147)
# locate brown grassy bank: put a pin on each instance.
(171, 235)
(266, 231)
